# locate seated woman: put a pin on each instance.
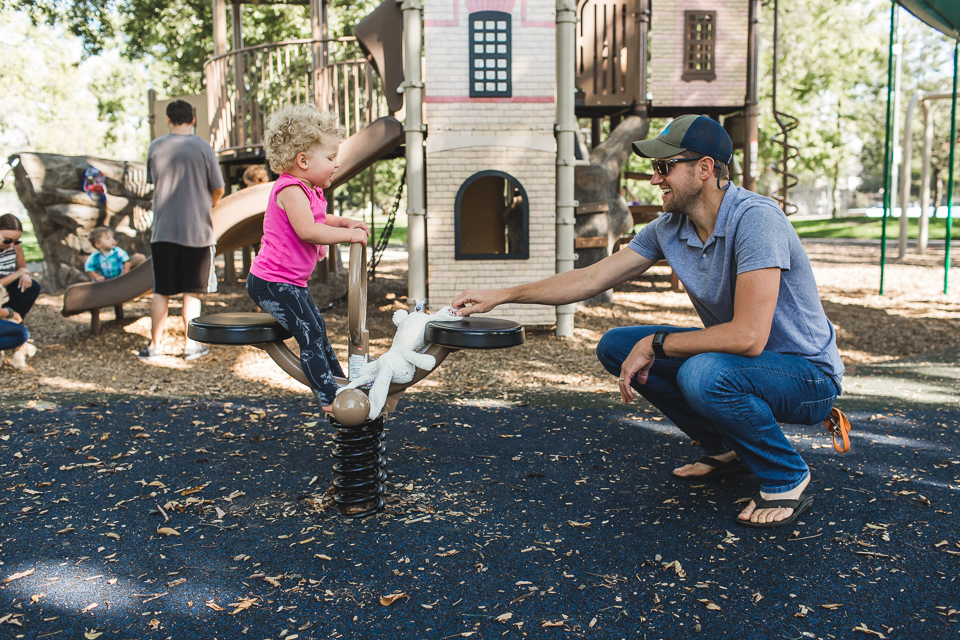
(21, 289)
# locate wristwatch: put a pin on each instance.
(658, 339)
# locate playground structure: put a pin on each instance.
(944, 16)
(237, 223)
(490, 130)
(359, 441)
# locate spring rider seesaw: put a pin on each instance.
(358, 443)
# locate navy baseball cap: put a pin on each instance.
(699, 134)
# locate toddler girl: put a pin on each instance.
(301, 145)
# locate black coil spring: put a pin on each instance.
(359, 488)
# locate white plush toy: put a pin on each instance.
(400, 362)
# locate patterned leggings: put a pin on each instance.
(295, 310)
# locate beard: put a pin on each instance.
(683, 201)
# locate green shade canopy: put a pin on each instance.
(942, 15)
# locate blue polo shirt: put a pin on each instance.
(751, 233)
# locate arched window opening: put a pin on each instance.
(492, 218)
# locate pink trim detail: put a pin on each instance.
(458, 99)
(528, 23)
(505, 6)
(455, 22)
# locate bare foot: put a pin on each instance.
(775, 514)
(695, 469)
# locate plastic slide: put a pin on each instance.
(237, 222)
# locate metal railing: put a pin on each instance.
(246, 85)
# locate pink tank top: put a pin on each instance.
(283, 256)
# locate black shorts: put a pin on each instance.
(179, 269)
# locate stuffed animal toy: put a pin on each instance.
(400, 362)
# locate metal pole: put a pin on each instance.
(750, 112)
(895, 151)
(924, 235)
(905, 172)
(414, 133)
(886, 144)
(566, 132)
(953, 149)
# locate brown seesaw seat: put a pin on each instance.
(261, 328)
(264, 332)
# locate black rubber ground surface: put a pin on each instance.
(537, 522)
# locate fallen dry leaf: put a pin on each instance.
(393, 597)
(863, 629)
(710, 605)
(245, 603)
(168, 531)
(17, 576)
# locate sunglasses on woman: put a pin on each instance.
(663, 166)
(9, 241)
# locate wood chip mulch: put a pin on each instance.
(913, 317)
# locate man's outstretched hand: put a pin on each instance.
(477, 301)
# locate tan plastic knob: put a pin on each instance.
(351, 407)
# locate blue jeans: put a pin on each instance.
(295, 310)
(728, 402)
(12, 335)
(22, 301)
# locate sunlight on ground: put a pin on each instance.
(65, 384)
(656, 426)
(254, 365)
(69, 587)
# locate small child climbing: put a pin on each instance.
(109, 260)
(301, 145)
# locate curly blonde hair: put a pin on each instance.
(293, 130)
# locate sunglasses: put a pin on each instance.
(10, 241)
(663, 166)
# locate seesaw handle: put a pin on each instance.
(359, 337)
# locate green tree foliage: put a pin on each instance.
(828, 82)
(52, 98)
(180, 32)
(171, 40)
(833, 78)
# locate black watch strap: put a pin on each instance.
(658, 339)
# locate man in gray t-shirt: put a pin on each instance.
(187, 184)
(766, 352)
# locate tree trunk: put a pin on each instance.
(600, 183)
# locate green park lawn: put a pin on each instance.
(864, 228)
(28, 242)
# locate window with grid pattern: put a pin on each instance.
(699, 45)
(490, 55)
